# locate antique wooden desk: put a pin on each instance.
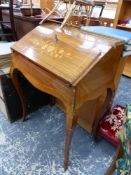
(80, 69)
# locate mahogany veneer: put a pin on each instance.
(80, 69)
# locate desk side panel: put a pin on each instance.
(92, 90)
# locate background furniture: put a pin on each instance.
(108, 22)
(80, 13)
(6, 32)
(122, 13)
(49, 4)
(107, 12)
(24, 24)
(5, 62)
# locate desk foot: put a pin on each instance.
(69, 133)
(24, 119)
(24, 116)
(65, 166)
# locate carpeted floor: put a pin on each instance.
(35, 147)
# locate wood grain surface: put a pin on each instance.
(81, 70)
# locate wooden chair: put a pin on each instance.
(83, 13)
(74, 15)
(7, 27)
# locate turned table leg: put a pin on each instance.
(15, 80)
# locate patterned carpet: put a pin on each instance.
(35, 147)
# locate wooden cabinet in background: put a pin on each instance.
(123, 12)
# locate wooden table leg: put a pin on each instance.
(118, 154)
(14, 78)
(103, 106)
(70, 127)
(68, 138)
(71, 122)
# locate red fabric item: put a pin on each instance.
(124, 21)
(111, 124)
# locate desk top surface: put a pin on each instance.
(69, 54)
